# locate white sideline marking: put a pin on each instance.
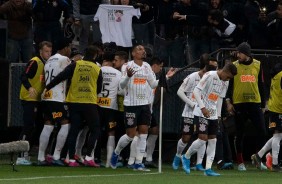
(74, 176)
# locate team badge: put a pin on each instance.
(186, 128)
(202, 127)
(130, 121)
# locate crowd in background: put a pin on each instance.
(178, 31)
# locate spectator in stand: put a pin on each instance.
(143, 27)
(255, 12)
(18, 13)
(233, 12)
(274, 27)
(225, 31)
(191, 22)
(83, 13)
(47, 25)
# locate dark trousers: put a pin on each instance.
(252, 112)
(79, 113)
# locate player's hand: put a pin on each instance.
(230, 108)
(130, 72)
(205, 112)
(170, 72)
(32, 92)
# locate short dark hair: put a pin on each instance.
(205, 60)
(230, 67)
(108, 56)
(122, 54)
(216, 15)
(155, 60)
(90, 52)
(44, 43)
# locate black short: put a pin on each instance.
(55, 111)
(206, 126)
(275, 121)
(154, 122)
(137, 115)
(188, 127)
(107, 118)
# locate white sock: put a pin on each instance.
(210, 152)
(80, 140)
(194, 147)
(180, 147)
(122, 143)
(133, 150)
(201, 153)
(93, 151)
(265, 148)
(151, 143)
(141, 148)
(276, 147)
(88, 158)
(43, 141)
(110, 148)
(61, 139)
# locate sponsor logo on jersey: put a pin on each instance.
(48, 94)
(272, 125)
(84, 89)
(104, 102)
(112, 124)
(213, 97)
(248, 78)
(249, 96)
(42, 78)
(84, 78)
(57, 115)
(139, 81)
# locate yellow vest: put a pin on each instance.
(83, 88)
(120, 99)
(37, 82)
(245, 88)
(275, 103)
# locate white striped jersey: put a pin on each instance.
(189, 83)
(151, 94)
(108, 96)
(136, 91)
(53, 66)
(212, 89)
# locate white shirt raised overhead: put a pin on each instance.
(116, 23)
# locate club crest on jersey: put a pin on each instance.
(186, 128)
(130, 121)
(202, 127)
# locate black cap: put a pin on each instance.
(74, 51)
(244, 48)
